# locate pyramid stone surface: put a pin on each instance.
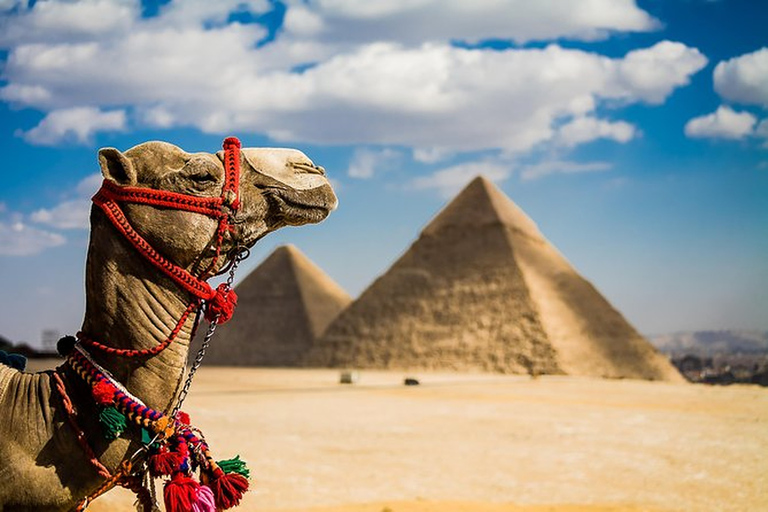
(482, 289)
(283, 305)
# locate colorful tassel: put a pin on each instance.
(228, 489)
(146, 437)
(205, 501)
(180, 493)
(104, 393)
(164, 462)
(222, 305)
(235, 465)
(183, 418)
(113, 423)
(183, 450)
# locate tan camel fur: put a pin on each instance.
(130, 304)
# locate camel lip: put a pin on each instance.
(296, 213)
(303, 205)
(321, 197)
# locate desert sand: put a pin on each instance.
(482, 442)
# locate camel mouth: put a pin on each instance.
(299, 207)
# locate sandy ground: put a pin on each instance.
(482, 443)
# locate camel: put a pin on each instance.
(132, 305)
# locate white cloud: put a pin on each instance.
(76, 124)
(51, 20)
(417, 21)
(431, 155)
(586, 129)
(19, 239)
(196, 12)
(724, 123)
(457, 99)
(653, 73)
(532, 172)
(366, 162)
(175, 70)
(744, 79)
(450, 180)
(89, 185)
(74, 213)
(66, 215)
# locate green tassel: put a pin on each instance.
(112, 422)
(147, 437)
(235, 466)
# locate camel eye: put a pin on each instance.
(203, 178)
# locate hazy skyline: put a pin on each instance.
(635, 134)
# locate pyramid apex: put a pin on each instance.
(286, 249)
(480, 179)
(481, 203)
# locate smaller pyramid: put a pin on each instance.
(283, 305)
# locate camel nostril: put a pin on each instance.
(308, 168)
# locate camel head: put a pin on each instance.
(277, 187)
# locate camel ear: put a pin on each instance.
(116, 167)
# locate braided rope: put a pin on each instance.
(72, 418)
(184, 279)
(210, 206)
(123, 478)
(86, 340)
(230, 192)
(130, 406)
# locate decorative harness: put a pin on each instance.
(173, 447)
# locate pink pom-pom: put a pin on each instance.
(205, 501)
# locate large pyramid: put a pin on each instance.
(283, 305)
(482, 289)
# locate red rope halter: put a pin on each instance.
(220, 302)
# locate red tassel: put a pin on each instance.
(183, 418)
(104, 393)
(164, 462)
(221, 306)
(180, 493)
(228, 489)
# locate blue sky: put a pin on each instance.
(635, 133)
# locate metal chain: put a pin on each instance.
(241, 254)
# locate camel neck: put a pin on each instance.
(131, 305)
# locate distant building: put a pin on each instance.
(48, 339)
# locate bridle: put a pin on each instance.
(218, 303)
(173, 447)
(223, 208)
